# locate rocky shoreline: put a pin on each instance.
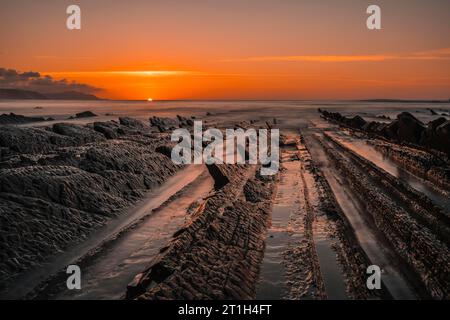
(405, 129)
(59, 183)
(423, 150)
(418, 245)
(194, 266)
(327, 212)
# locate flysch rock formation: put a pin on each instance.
(423, 150)
(218, 254)
(406, 128)
(59, 183)
(410, 226)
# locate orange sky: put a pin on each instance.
(194, 49)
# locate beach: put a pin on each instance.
(92, 183)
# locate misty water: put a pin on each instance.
(224, 111)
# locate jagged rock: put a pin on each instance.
(181, 118)
(82, 134)
(32, 140)
(165, 150)
(254, 192)
(357, 122)
(219, 174)
(164, 124)
(155, 121)
(287, 141)
(109, 129)
(63, 185)
(185, 122)
(436, 135)
(372, 126)
(84, 114)
(415, 242)
(331, 115)
(132, 123)
(55, 188)
(443, 137)
(406, 128)
(193, 266)
(409, 128)
(430, 137)
(432, 125)
(13, 118)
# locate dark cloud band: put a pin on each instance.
(30, 80)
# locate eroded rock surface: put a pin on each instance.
(216, 256)
(13, 118)
(405, 129)
(167, 124)
(84, 114)
(59, 183)
(422, 149)
(410, 227)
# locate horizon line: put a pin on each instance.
(286, 100)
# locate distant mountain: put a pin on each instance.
(20, 94)
(27, 94)
(71, 95)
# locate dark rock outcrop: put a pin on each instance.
(405, 129)
(57, 184)
(357, 122)
(82, 134)
(431, 138)
(131, 122)
(84, 114)
(442, 141)
(31, 140)
(417, 243)
(219, 175)
(374, 126)
(185, 122)
(165, 150)
(13, 118)
(109, 129)
(194, 265)
(164, 124)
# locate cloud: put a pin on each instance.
(30, 80)
(439, 54)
